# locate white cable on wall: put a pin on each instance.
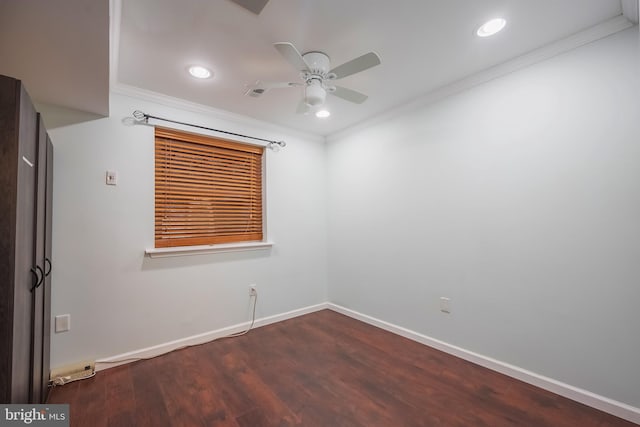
(234, 335)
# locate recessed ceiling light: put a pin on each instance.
(199, 72)
(489, 28)
(323, 114)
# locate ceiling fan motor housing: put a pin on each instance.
(317, 62)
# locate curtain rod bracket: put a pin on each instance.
(142, 117)
(276, 145)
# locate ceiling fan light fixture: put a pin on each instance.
(491, 27)
(200, 72)
(314, 94)
(323, 114)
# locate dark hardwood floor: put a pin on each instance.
(322, 369)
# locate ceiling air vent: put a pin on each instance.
(255, 92)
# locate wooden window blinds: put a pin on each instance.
(208, 190)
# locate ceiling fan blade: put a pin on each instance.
(292, 55)
(303, 107)
(254, 6)
(361, 63)
(349, 95)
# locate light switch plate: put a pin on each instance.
(445, 305)
(63, 323)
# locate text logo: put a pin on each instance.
(37, 415)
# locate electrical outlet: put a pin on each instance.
(112, 177)
(445, 305)
(252, 290)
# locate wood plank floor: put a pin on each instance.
(322, 369)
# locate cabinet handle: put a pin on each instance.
(48, 262)
(36, 278)
(41, 276)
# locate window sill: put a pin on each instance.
(206, 249)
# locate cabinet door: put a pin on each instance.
(49, 270)
(24, 250)
(8, 195)
(37, 309)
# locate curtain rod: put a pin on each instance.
(144, 117)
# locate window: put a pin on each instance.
(208, 190)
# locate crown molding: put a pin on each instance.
(548, 51)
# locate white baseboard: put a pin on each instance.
(588, 398)
(157, 350)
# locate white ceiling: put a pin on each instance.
(423, 45)
(60, 48)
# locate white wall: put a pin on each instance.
(119, 300)
(520, 200)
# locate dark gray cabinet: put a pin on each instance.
(26, 156)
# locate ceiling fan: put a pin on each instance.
(317, 77)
